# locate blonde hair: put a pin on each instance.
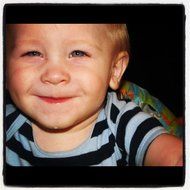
(118, 33)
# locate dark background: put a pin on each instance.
(156, 64)
(157, 61)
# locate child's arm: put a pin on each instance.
(165, 150)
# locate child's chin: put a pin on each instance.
(55, 126)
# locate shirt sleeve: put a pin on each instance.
(145, 143)
(139, 135)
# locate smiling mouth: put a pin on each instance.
(53, 100)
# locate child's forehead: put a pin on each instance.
(85, 31)
(91, 34)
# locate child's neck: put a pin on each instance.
(61, 141)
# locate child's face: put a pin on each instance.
(58, 74)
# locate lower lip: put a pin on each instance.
(54, 100)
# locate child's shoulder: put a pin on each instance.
(134, 129)
(124, 113)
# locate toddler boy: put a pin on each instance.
(62, 113)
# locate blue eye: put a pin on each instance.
(32, 54)
(78, 53)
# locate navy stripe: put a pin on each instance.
(26, 130)
(17, 147)
(91, 158)
(125, 118)
(125, 99)
(11, 118)
(99, 128)
(8, 99)
(114, 113)
(140, 133)
(120, 137)
(122, 161)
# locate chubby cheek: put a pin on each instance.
(95, 86)
(18, 82)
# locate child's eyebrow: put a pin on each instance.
(29, 41)
(18, 43)
(85, 43)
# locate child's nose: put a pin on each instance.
(55, 75)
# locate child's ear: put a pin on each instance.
(119, 66)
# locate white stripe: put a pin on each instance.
(14, 160)
(120, 104)
(114, 100)
(19, 121)
(123, 108)
(90, 145)
(9, 109)
(148, 138)
(27, 144)
(129, 106)
(132, 126)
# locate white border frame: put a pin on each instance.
(186, 3)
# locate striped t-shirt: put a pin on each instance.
(120, 137)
